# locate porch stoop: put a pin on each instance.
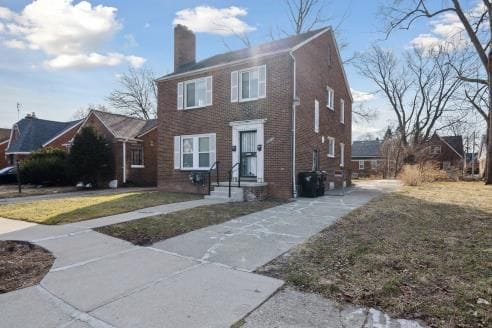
(249, 191)
(222, 193)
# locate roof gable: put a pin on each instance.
(124, 127)
(455, 143)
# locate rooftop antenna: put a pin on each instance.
(18, 110)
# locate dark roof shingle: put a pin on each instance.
(4, 134)
(366, 148)
(456, 142)
(123, 126)
(32, 133)
(273, 46)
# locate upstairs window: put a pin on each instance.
(136, 153)
(330, 101)
(435, 150)
(331, 147)
(195, 93)
(316, 116)
(248, 84)
(342, 111)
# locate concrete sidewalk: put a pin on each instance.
(199, 279)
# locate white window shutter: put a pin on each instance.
(177, 152)
(180, 95)
(342, 111)
(213, 151)
(316, 116)
(262, 82)
(209, 91)
(234, 86)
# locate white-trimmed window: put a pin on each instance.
(331, 147)
(330, 101)
(361, 165)
(342, 111)
(248, 84)
(342, 154)
(194, 152)
(195, 93)
(137, 155)
(316, 116)
(435, 150)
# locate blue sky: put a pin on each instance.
(51, 74)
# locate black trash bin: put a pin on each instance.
(312, 184)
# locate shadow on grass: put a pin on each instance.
(409, 257)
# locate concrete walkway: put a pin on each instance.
(199, 279)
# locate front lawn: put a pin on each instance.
(419, 253)
(149, 230)
(10, 191)
(79, 208)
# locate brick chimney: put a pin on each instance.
(184, 46)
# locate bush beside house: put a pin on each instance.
(46, 166)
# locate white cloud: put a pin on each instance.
(130, 41)
(92, 60)
(147, 25)
(2, 27)
(222, 21)
(15, 44)
(447, 32)
(361, 96)
(68, 33)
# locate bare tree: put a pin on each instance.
(82, 113)
(419, 88)
(137, 94)
(478, 28)
(304, 15)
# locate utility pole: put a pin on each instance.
(18, 110)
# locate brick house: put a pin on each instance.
(31, 134)
(271, 111)
(367, 159)
(4, 141)
(132, 139)
(448, 151)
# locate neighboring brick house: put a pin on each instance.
(448, 151)
(31, 134)
(4, 141)
(367, 159)
(133, 139)
(275, 110)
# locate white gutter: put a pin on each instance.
(295, 103)
(124, 161)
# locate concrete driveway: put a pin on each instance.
(199, 279)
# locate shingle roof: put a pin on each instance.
(273, 46)
(123, 126)
(4, 134)
(33, 132)
(366, 148)
(456, 142)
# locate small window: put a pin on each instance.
(316, 116)
(252, 84)
(195, 93)
(197, 152)
(331, 147)
(136, 153)
(342, 111)
(330, 94)
(435, 150)
(315, 166)
(342, 154)
(361, 165)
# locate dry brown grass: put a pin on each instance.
(422, 253)
(415, 175)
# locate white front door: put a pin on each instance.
(248, 149)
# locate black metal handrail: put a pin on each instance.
(216, 166)
(230, 178)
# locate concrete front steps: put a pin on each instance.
(222, 193)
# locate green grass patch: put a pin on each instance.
(74, 209)
(421, 253)
(149, 230)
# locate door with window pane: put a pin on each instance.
(248, 154)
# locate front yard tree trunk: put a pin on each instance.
(488, 177)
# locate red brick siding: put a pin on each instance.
(314, 74)
(3, 159)
(447, 153)
(146, 176)
(275, 108)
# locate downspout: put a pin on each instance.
(124, 161)
(295, 103)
